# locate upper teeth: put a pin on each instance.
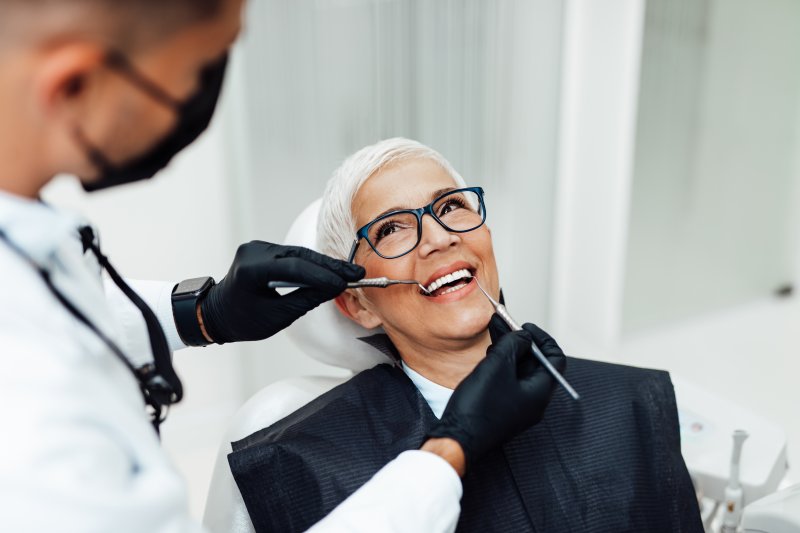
(449, 278)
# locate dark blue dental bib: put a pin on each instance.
(610, 462)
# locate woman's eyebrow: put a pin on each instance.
(436, 194)
(432, 196)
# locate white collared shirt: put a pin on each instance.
(77, 451)
(436, 395)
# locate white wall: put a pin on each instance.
(600, 81)
(714, 165)
(744, 346)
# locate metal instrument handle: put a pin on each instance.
(366, 282)
(501, 310)
(369, 282)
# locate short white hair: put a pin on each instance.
(336, 226)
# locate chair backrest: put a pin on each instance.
(323, 334)
(225, 511)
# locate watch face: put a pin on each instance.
(191, 285)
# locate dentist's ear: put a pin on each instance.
(350, 306)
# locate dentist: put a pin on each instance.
(110, 91)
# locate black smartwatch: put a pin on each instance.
(185, 297)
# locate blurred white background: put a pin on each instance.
(641, 162)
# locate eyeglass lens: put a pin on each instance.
(398, 233)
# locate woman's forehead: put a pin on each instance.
(402, 185)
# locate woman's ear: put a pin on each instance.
(350, 306)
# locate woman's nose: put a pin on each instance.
(435, 237)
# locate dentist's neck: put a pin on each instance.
(447, 365)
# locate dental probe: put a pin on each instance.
(500, 309)
(366, 282)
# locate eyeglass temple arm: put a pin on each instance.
(353, 249)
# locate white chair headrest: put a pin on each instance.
(325, 334)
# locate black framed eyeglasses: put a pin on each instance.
(396, 234)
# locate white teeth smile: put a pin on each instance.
(449, 278)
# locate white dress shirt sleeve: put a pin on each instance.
(132, 328)
(418, 491)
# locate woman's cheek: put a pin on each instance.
(375, 267)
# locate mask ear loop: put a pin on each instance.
(118, 62)
(96, 157)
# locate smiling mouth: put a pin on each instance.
(455, 281)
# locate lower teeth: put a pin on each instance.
(452, 289)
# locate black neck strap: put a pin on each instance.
(158, 381)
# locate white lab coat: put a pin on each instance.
(77, 451)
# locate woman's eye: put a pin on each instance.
(385, 230)
(450, 206)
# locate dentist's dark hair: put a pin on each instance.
(127, 23)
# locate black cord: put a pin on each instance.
(162, 357)
(159, 384)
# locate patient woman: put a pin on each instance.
(608, 462)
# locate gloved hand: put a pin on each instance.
(507, 392)
(242, 308)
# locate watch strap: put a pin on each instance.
(184, 311)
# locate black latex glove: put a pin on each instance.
(507, 392)
(242, 308)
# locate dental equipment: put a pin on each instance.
(500, 309)
(707, 422)
(777, 513)
(732, 516)
(366, 282)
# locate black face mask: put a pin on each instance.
(194, 115)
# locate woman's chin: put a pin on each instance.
(464, 329)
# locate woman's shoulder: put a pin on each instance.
(372, 392)
(382, 382)
(594, 365)
(590, 369)
(604, 382)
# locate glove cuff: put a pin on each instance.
(208, 307)
(446, 430)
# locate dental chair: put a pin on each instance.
(322, 334)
